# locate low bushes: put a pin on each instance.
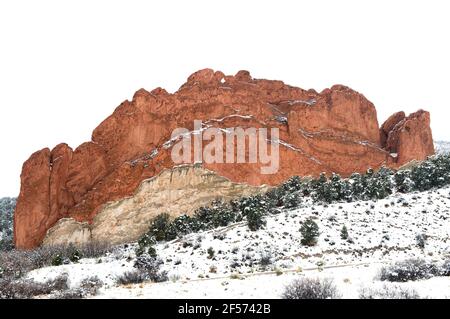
(151, 268)
(27, 289)
(255, 219)
(389, 292)
(445, 269)
(311, 288)
(409, 270)
(88, 287)
(16, 263)
(146, 269)
(135, 276)
(159, 227)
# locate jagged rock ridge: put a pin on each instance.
(332, 131)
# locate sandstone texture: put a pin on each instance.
(181, 189)
(335, 130)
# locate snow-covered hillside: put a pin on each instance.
(442, 147)
(234, 262)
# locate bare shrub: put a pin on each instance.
(389, 292)
(76, 293)
(311, 288)
(16, 263)
(91, 285)
(135, 276)
(27, 289)
(445, 269)
(21, 289)
(95, 249)
(60, 283)
(408, 270)
(88, 287)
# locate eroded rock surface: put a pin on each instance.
(333, 131)
(410, 138)
(178, 190)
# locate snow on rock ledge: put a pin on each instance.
(336, 130)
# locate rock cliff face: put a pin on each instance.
(410, 137)
(332, 131)
(181, 189)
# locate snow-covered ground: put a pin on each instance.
(350, 280)
(442, 147)
(259, 264)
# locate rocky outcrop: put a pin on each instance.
(68, 231)
(32, 216)
(389, 125)
(410, 138)
(332, 131)
(178, 190)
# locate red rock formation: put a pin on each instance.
(332, 131)
(61, 199)
(389, 125)
(33, 217)
(410, 138)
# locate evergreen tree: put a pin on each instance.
(309, 232)
(379, 185)
(422, 176)
(159, 226)
(181, 226)
(75, 256)
(255, 219)
(152, 252)
(344, 232)
(294, 184)
(403, 182)
(223, 216)
(322, 189)
(57, 260)
(291, 200)
(357, 186)
(146, 240)
(211, 253)
(339, 189)
(275, 197)
(219, 214)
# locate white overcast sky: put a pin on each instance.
(65, 65)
